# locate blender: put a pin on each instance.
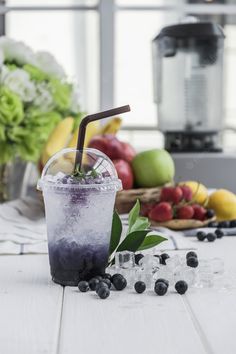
(188, 90)
(188, 85)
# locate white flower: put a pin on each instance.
(16, 51)
(3, 73)
(47, 63)
(19, 82)
(43, 99)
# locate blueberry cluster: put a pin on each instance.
(223, 224)
(162, 285)
(211, 236)
(191, 259)
(102, 284)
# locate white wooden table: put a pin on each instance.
(38, 316)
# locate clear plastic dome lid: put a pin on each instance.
(70, 168)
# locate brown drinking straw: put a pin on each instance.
(91, 118)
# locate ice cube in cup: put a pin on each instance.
(79, 206)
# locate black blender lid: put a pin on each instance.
(188, 30)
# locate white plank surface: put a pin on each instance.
(35, 316)
(127, 322)
(214, 310)
(30, 306)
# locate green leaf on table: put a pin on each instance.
(133, 241)
(151, 241)
(133, 215)
(116, 232)
(141, 223)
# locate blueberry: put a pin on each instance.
(99, 285)
(107, 282)
(137, 257)
(181, 287)
(219, 233)
(103, 292)
(211, 237)
(161, 280)
(93, 283)
(140, 287)
(233, 223)
(99, 277)
(201, 235)
(160, 288)
(116, 275)
(192, 262)
(83, 286)
(191, 254)
(213, 224)
(210, 213)
(119, 281)
(163, 258)
(224, 224)
(107, 276)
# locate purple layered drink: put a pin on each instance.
(79, 208)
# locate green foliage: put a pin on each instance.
(35, 73)
(11, 108)
(138, 237)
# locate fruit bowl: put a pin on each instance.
(183, 224)
(126, 199)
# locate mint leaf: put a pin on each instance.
(151, 241)
(133, 241)
(141, 223)
(116, 232)
(133, 215)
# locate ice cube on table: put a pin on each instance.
(129, 274)
(187, 274)
(165, 273)
(217, 265)
(175, 261)
(146, 277)
(149, 262)
(112, 270)
(124, 259)
(205, 280)
(205, 266)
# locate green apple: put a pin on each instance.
(153, 168)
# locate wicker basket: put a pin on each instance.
(177, 224)
(126, 199)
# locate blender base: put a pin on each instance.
(190, 141)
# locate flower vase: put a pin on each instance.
(14, 178)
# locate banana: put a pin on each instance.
(111, 127)
(58, 139)
(91, 130)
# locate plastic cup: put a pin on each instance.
(78, 214)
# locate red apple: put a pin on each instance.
(125, 173)
(128, 152)
(109, 145)
(99, 142)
